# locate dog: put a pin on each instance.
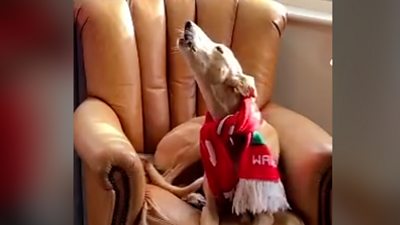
(223, 86)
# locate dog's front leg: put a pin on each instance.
(263, 219)
(209, 214)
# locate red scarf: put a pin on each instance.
(255, 185)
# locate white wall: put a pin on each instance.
(304, 74)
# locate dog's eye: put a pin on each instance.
(219, 49)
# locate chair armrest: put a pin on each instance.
(103, 148)
(306, 162)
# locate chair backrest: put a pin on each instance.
(141, 75)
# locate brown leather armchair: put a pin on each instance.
(142, 98)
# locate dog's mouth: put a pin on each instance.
(187, 39)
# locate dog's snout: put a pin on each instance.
(188, 25)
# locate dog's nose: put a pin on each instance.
(188, 25)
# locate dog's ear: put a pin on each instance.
(249, 84)
(242, 84)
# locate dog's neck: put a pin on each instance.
(220, 99)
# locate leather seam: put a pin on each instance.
(324, 203)
(142, 86)
(83, 24)
(166, 222)
(275, 24)
(153, 205)
(234, 23)
(77, 13)
(197, 89)
(167, 67)
(120, 212)
(195, 11)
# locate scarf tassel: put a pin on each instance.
(257, 196)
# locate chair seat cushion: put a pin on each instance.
(164, 208)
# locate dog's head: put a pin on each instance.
(209, 60)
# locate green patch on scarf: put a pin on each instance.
(257, 139)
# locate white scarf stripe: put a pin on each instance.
(211, 152)
(231, 129)
(221, 124)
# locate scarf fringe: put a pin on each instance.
(257, 196)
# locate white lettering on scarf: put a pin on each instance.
(263, 159)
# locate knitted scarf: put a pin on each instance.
(254, 184)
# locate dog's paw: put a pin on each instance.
(195, 199)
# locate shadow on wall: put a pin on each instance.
(304, 73)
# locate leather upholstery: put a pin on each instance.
(150, 28)
(111, 61)
(307, 152)
(161, 205)
(103, 146)
(142, 98)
